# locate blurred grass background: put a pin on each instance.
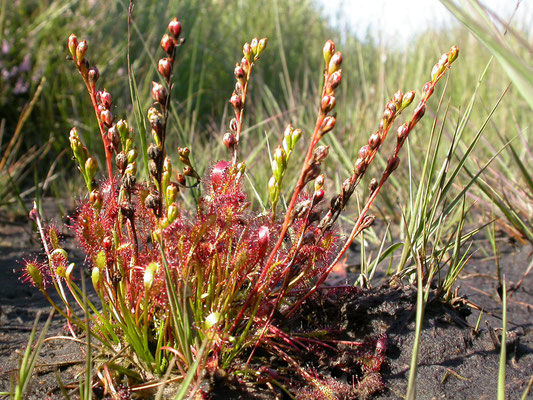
(284, 89)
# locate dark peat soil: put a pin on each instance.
(455, 362)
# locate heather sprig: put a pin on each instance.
(202, 287)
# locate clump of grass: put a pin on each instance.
(188, 293)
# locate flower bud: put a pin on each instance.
(105, 99)
(334, 81)
(327, 104)
(318, 196)
(280, 156)
(392, 163)
(407, 99)
(107, 118)
(149, 275)
(156, 120)
(72, 44)
(233, 124)
(229, 140)
(174, 27)
(168, 44)
(364, 151)
(374, 141)
(172, 212)
(387, 115)
(95, 278)
(253, 45)
(437, 70)
(372, 186)
(368, 221)
(132, 155)
(397, 98)
(320, 154)
(91, 167)
(84, 67)
(391, 106)
(247, 51)
(273, 189)
(453, 54)
(328, 124)
(261, 46)
(277, 170)
(419, 112)
(295, 137)
(172, 193)
(95, 198)
(245, 64)
(236, 102)
(239, 72)
(165, 67)
(335, 62)
(81, 50)
(123, 129)
(131, 169)
(93, 74)
(319, 182)
(181, 178)
(76, 145)
(359, 166)
(263, 238)
(159, 93)
(328, 51)
(403, 131)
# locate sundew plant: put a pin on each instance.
(190, 293)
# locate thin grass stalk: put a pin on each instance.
(30, 356)
(420, 305)
(503, 345)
